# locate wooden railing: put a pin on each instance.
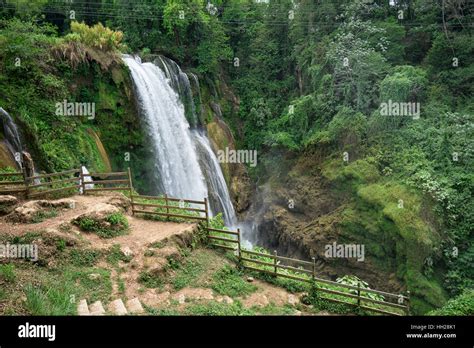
(12, 183)
(186, 209)
(121, 181)
(305, 271)
(60, 182)
(68, 181)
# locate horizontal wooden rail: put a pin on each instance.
(51, 183)
(172, 215)
(106, 174)
(43, 176)
(302, 270)
(294, 260)
(102, 182)
(223, 231)
(5, 183)
(124, 188)
(41, 193)
(224, 246)
(257, 253)
(11, 174)
(258, 262)
(168, 206)
(169, 199)
(13, 190)
(224, 239)
(186, 201)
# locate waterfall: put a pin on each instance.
(185, 165)
(12, 137)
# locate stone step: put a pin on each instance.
(117, 307)
(134, 306)
(82, 308)
(96, 308)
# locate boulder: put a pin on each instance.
(134, 306)
(27, 212)
(96, 220)
(117, 307)
(7, 204)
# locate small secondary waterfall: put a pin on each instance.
(185, 165)
(218, 192)
(12, 137)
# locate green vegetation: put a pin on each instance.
(228, 281)
(309, 84)
(115, 254)
(7, 273)
(53, 300)
(460, 305)
(42, 215)
(113, 225)
(84, 257)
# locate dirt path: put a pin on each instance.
(142, 231)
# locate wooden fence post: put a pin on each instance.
(314, 268)
(207, 212)
(275, 262)
(26, 181)
(167, 209)
(408, 302)
(130, 184)
(238, 245)
(358, 294)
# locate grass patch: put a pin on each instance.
(228, 281)
(150, 281)
(161, 311)
(54, 299)
(114, 255)
(43, 215)
(94, 288)
(218, 309)
(7, 273)
(27, 238)
(113, 225)
(272, 309)
(186, 274)
(84, 257)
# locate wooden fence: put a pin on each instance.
(12, 183)
(113, 181)
(170, 207)
(305, 271)
(69, 181)
(44, 184)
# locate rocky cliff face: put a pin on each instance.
(299, 212)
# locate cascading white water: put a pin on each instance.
(176, 160)
(12, 137)
(186, 166)
(87, 179)
(219, 194)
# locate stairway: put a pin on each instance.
(116, 307)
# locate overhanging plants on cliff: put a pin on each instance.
(86, 44)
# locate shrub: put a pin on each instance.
(113, 225)
(228, 281)
(7, 272)
(460, 305)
